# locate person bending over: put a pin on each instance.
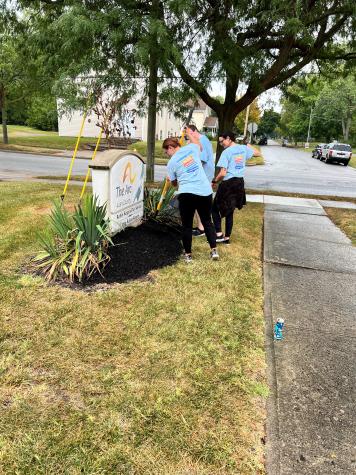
(208, 162)
(231, 191)
(194, 191)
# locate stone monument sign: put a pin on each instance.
(118, 178)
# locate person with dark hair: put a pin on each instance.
(194, 191)
(231, 191)
(208, 162)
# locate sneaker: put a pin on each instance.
(214, 255)
(226, 241)
(220, 238)
(187, 258)
(196, 232)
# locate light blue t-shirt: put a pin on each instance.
(185, 167)
(207, 157)
(234, 160)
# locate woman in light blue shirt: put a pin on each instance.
(194, 191)
(231, 191)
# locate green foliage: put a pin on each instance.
(258, 44)
(167, 214)
(42, 113)
(75, 245)
(253, 116)
(333, 106)
(269, 123)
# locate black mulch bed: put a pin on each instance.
(139, 250)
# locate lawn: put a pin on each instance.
(161, 376)
(345, 219)
(21, 136)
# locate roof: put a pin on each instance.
(199, 104)
(211, 122)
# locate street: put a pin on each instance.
(286, 169)
(294, 171)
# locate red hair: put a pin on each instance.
(170, 142)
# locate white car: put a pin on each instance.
(336, 152)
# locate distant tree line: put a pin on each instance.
(328, 103)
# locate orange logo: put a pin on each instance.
(128, 174)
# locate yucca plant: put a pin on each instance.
(75, 246)
(167, 214)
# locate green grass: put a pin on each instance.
(22, 136)
(150, 377)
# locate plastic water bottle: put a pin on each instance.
(278, 327)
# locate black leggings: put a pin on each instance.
(188, 204)
(229, 220)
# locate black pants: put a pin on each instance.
(229, 220)
(188, 204)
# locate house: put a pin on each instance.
(203, 118)
(211, 125)
(167, 124)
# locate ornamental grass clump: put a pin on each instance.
(76, 244)
(167, 214)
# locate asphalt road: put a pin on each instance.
(294, 171)
(286, 169)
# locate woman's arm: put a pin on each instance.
(256, 153)
(172, 182)
(220, 175)
(194, 140)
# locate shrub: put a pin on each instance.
(167, 214)
(76, 245)
(42, 113)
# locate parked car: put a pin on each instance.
(316, 153)
(336, 152)
(262, 141)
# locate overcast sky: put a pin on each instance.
(268, 100)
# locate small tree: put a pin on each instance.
(113, 116)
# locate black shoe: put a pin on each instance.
(220, 238)
(197, 232)
(226, 241)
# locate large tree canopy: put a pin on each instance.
(256, 43)
(250, 45)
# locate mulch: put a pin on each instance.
(138, 251)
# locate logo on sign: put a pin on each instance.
(128, 174)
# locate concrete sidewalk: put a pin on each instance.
(303, 202)
(310, 281)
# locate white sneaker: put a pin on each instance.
(214, 255)
(187, 258)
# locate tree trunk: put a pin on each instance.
(347, 128)
(226, 124)
(5, 136)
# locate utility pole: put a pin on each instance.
(310, 118)
(246, 120)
